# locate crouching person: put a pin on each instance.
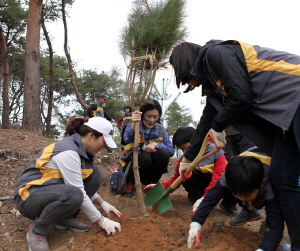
(204, 176)
(154, 143)
(61, 180)
(247, 178)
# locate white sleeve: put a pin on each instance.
(69, 164)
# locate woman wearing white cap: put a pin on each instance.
(61, 180)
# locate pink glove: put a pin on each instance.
(111, 227)
(194, 235)
(148, 187)
(182, 168)
(107, 208)
(196, 205)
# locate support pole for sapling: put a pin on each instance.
(139, 80)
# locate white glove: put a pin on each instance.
(111, 227)
(259, 249)
(109, 208)
(218, 136)
(196, 205)
(182, 168)
(194, 235)
(148, 187)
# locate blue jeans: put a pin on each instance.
(50, 204)
(285, 177)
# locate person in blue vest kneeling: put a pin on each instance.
(155, 146)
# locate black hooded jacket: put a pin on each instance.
(241, 94)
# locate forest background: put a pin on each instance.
(272, 26)
(59, 101)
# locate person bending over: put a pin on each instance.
(247, 178)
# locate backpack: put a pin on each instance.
(118, 180)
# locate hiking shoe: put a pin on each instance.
(36, 242)
(229, 210)
(72, 224)
(245, 216)
(129, 190)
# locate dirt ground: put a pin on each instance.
(166, 232)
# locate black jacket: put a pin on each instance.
(265, 199)
(243, 96)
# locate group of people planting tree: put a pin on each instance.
(253, 89)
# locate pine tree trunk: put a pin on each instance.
(51, 77)
(32, 119)
(135, 168)
(5, 74)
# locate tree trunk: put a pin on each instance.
(51, 77)
(135, 168)
(68, 56)
(32, 119)
(5, 75)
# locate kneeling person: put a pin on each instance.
(247, 178)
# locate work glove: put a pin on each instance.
(182, 168)
(148, 187)
(218, 136)
(107, 208)
(194, 235)
(196, 205)
(111, 227)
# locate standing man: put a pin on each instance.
(96, 110)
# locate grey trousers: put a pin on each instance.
(50, 204)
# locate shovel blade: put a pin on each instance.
(154, 194)
(163, 205)
(158, 198)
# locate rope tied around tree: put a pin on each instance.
(150, 57)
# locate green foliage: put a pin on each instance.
(61, 74)
(13, 16)
(177, 116)
(90, 84)
(13, 23)
(153, 29)
(52, 9)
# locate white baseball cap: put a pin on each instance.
(103, 126)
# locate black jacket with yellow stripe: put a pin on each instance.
(37, 175)
(253, 88)
(265, 199)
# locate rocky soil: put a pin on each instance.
(166, 232)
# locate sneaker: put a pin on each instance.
(129, 190)
(245, 216)
(72, 224)
(229, 210)
(36, 242)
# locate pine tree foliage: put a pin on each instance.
(177, 116)
(153, 29)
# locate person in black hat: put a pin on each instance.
(96, 110)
